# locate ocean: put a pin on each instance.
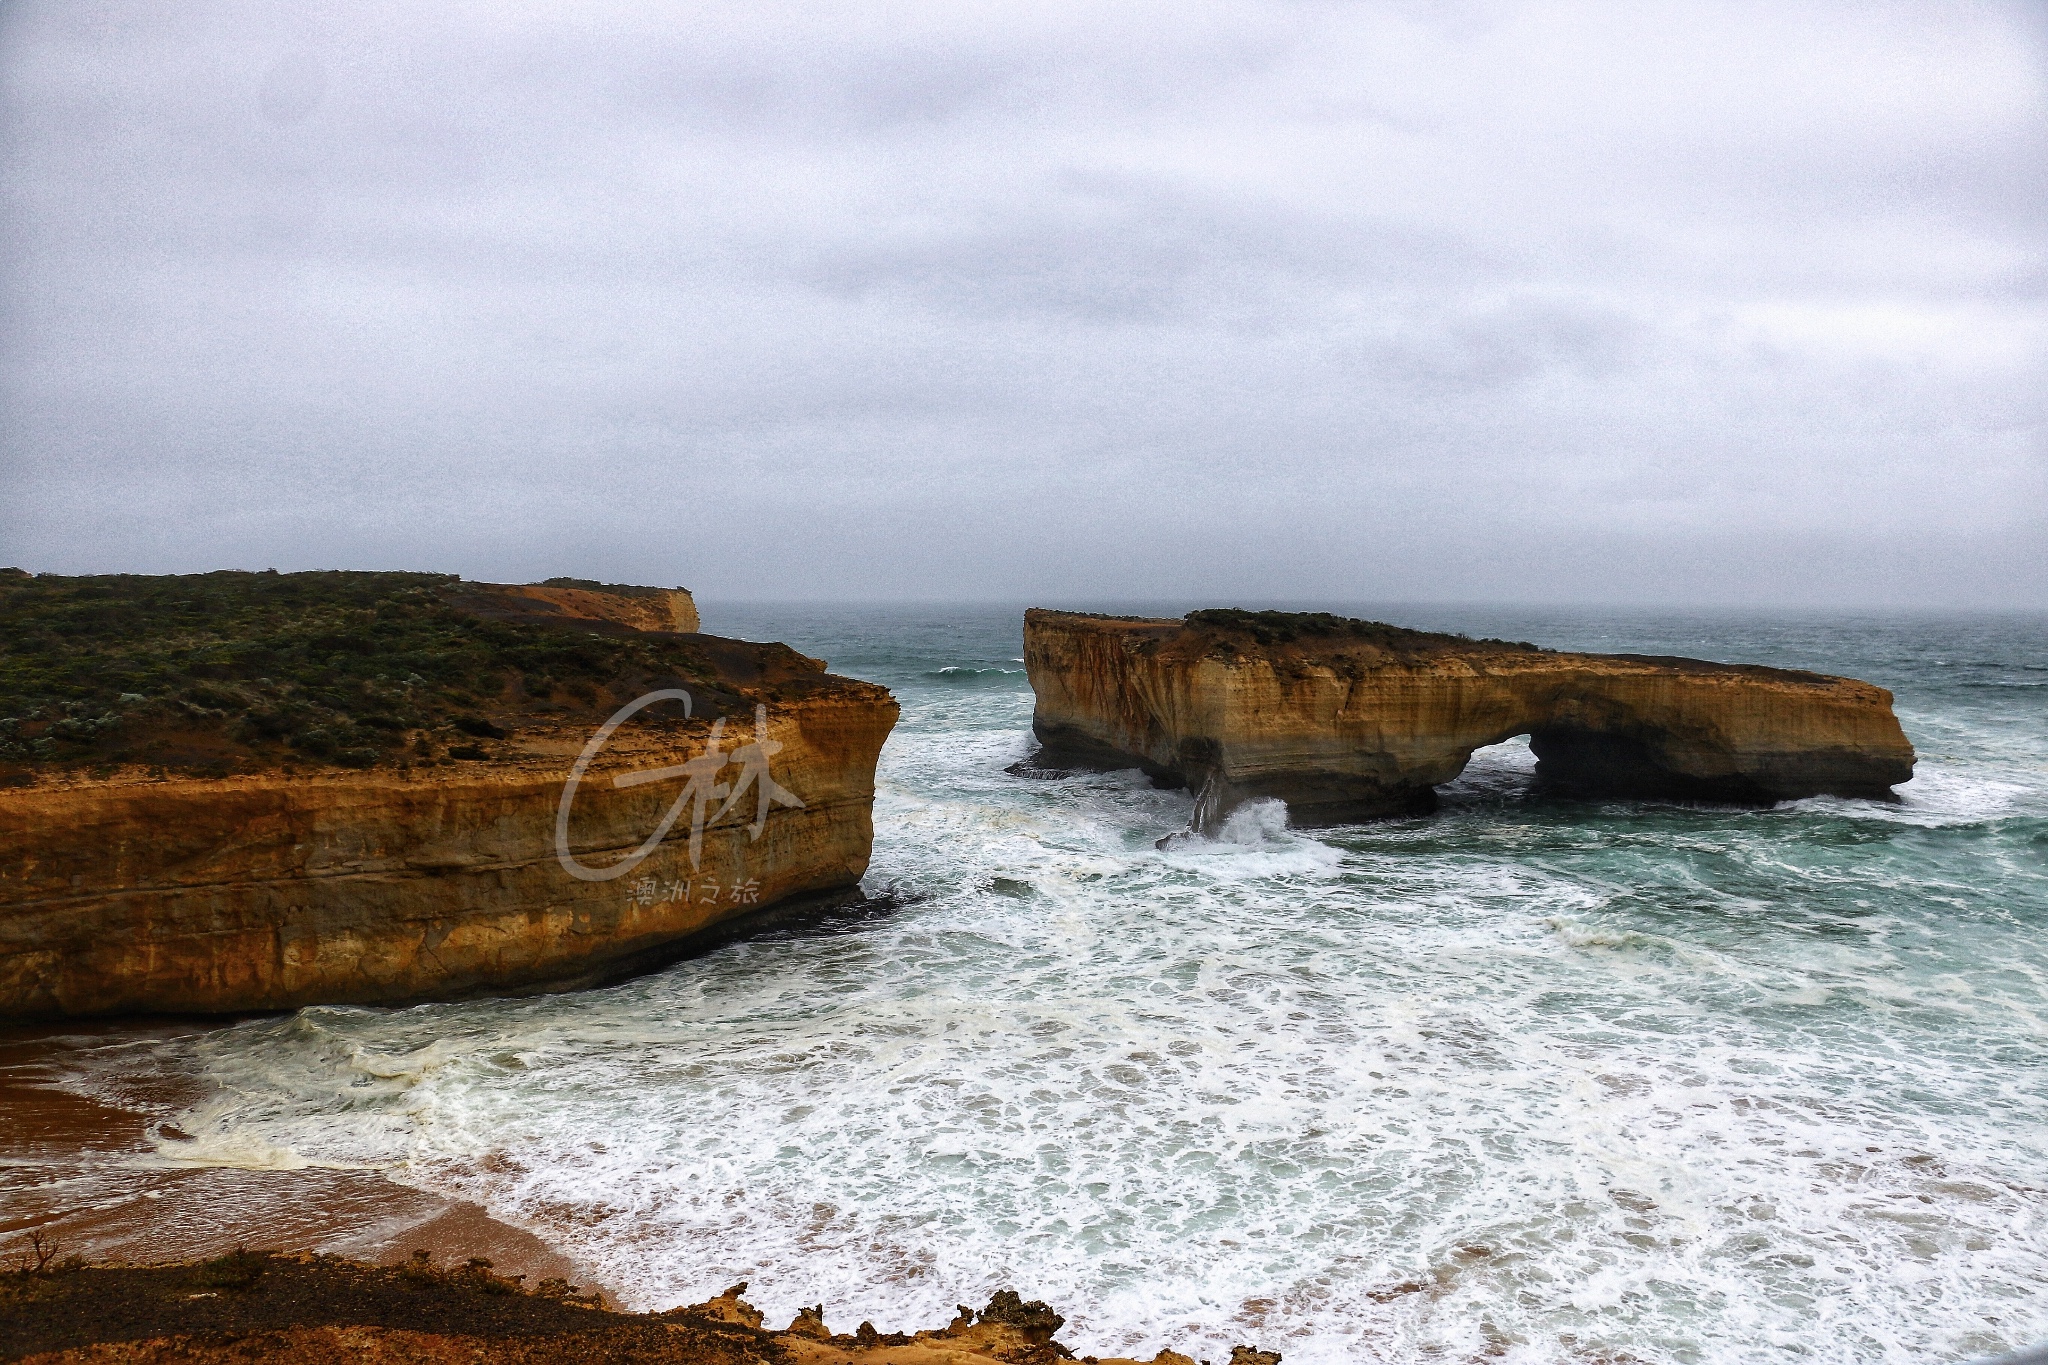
(1524, 1080)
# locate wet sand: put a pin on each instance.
(87, 1176)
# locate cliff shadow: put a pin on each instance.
(1499, 774)
(1572, 765)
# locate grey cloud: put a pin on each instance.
(1118, 253)
(1294, 301)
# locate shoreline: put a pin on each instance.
(305, 1309)
(114, 1214)
(86, 1174)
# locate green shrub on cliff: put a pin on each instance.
(232, 670)
(1286, 627)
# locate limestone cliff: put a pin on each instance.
(577, 600)
(440, 869)
(1348, 720)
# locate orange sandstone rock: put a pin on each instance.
(272, 890)
(564, 600)
(1345, 721)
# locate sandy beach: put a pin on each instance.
(93, 1178)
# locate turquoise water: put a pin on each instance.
(1525, 1080)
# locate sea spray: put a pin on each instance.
(1543, 1080)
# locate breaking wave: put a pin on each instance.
(1523, 1080)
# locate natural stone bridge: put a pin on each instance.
(1346, 720)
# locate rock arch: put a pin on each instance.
(1347, 720)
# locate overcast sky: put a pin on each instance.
(1248, 302)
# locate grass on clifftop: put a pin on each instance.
(233, 671)
(1286, 627)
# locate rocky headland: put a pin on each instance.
(223, 793)
(315, 1309)
(1347, 720)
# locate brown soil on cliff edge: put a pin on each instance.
(250, 1306)
(228, 673)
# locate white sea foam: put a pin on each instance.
(1942, 794)
(234, 1148)
(1535, 1083)
(1256, 824)
(963, 672)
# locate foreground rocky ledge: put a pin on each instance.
(312, 1310)
(342, 830)
(1346, 720)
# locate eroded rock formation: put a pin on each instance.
(310, 1310)
(441, 877)
(1348, 720)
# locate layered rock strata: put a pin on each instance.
(567, 600)
(1350, 720)
(132, 891)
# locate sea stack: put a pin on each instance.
(1347, 720)
(223, 793)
